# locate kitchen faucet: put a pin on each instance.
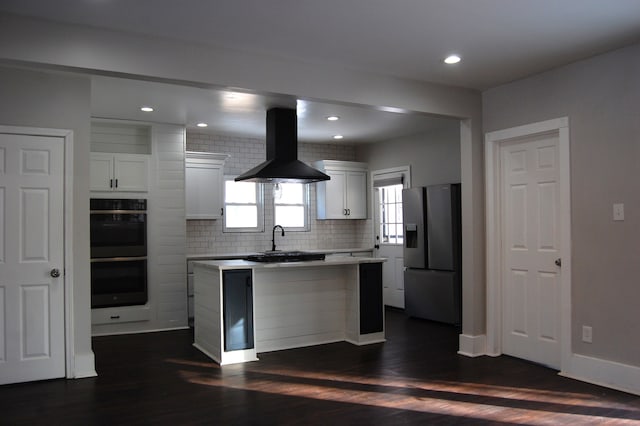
(273, 236)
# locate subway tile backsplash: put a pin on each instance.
(206, 236)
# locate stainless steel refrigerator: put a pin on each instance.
(432, 253)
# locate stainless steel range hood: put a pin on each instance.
(282, 163)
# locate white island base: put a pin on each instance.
(287, 305)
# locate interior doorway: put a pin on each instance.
(35, 236)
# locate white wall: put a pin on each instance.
(35, 99)
(434, 157)
(206, 236)
(601, 97)
(83, 49)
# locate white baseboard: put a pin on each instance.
(84, 366)
(473, 346)
(601, 372)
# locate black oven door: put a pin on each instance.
(118, 234)
(118, 281)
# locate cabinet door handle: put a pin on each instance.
(116, 183)
(110, 183)
(348, 212)
(221, 211)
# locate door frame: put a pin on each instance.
(67, 136)
(493, 143)
(405, 171)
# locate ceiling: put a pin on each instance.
(499, 41)
(243, 114)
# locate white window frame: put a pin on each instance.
(260, 209)
(379, 178)
(384, 223)
(305, 205)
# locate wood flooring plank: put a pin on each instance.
(415, 378)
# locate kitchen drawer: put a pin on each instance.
(120, 315)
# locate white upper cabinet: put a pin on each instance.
(119, 172)
(344, 196)
(119, 156)
(204, 180)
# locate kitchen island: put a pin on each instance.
(243, 308)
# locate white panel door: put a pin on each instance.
(357, 195)
(31, 247)
(335, 195)
(531, 239)
(389, 243)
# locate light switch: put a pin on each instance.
(618, 211)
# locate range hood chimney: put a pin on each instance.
(282, 163)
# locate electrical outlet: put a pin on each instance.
(587, 334)
(618, 211)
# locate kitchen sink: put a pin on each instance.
(285, 256)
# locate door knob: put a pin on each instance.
(558, 262)
(55, 273)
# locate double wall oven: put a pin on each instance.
(118, 252)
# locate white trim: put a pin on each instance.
(472, 346)
(493, 141)
(84, 366)
(406, 171)
(260, 205)
(88, 367)
(604, 373)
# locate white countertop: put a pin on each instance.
(245, 264)
(222, 256)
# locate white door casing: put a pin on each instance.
(393, 268)
(528, 228)
(34, 303)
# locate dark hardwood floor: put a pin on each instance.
(416, 377)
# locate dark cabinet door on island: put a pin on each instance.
(237, 290)
(371, 309)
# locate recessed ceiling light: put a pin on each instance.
(452, 59)
(146, 109)
(202, 124)
(338, 136)
(333, 118)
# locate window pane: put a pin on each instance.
(290, 216)
(291, 193)
(240, 192)
(241, 216)
(390, 214)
